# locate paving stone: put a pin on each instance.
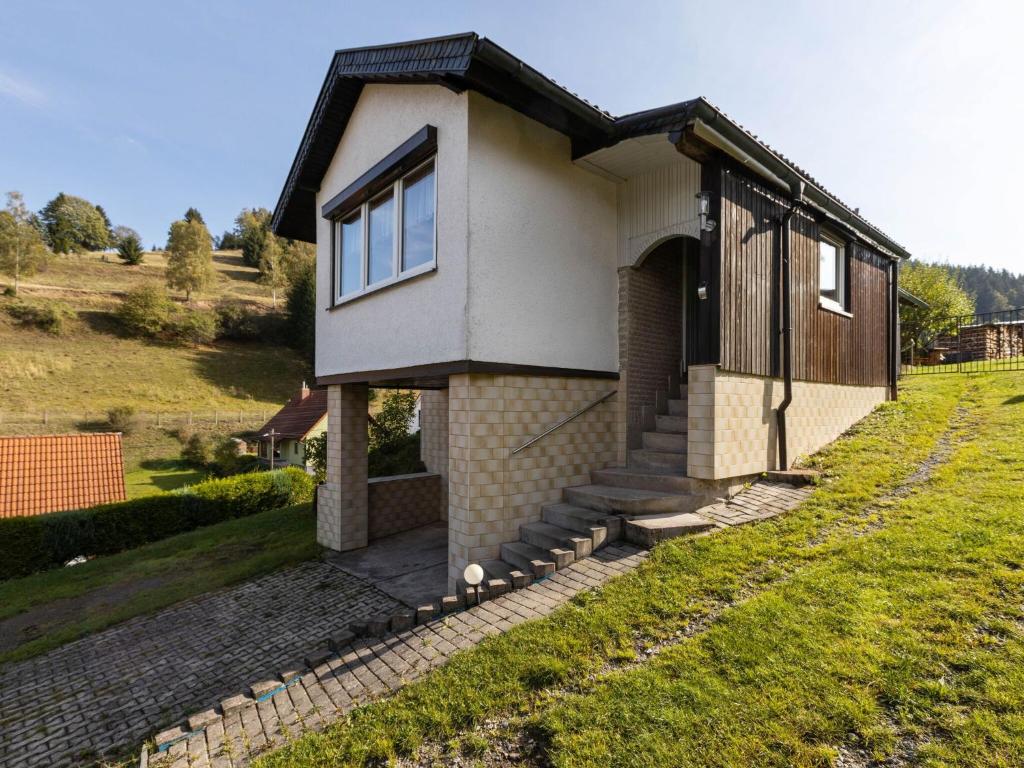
(235, 703)
(202, 719)
(402, 620)
(339, 640)
(264, 687)
(171, 734)
(424, 613)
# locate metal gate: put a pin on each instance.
(978, 343)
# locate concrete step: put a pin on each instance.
(600, 526)
(548, 536)
(497, 569)
(530, 559)
(627, 501)
(668, 481)
(671, 442)
(677, 407)
(673, 424)
(643, 459)
(648, 530)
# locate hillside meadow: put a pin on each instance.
(53, 383)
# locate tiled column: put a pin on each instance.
(434, 439)
(341, 521)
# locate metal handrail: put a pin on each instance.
(563, 422)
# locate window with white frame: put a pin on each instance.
(390, 237)
(832, 273)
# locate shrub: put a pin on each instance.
(191, 326)
(30, 544)
(49, 318)
(121, 418)
(9, 291)
(228, 461)
(196, 450)
(145, 310)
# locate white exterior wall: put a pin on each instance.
(422, 320)
(656, 205)
(542, 232)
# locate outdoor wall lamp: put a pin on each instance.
(703, 210)
(702, 290)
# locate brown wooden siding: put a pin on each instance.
(827, 347)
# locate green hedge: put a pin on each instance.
(30, 544)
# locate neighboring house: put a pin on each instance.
(302, 417)
(518, 254)
(50, 473)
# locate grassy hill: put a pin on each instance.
(58, 383)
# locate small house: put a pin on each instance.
(281, 441)
(653, 307)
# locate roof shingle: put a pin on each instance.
(50, 473)
(299, 415)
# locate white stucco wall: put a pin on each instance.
(542, 241)
(422, 320)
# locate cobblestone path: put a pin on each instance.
(109, 691)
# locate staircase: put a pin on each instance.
(650, 500)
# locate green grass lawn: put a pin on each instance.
(157, 476)
(54, 607)
(887, 624)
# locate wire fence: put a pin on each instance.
(160, 419)
(978, 343)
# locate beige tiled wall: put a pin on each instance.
(402, 502)
(434, 439)
(732, 427)
(341, 520)
(491, 492)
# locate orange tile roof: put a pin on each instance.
(49, 473)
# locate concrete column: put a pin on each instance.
(341, 521)
(434, 439)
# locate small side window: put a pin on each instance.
(832, 274)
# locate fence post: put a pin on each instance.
(216, 418)
(190, 418)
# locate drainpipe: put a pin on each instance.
(797, 193)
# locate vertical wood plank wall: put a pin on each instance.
(827, 347)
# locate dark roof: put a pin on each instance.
(299, 415)
(49, 473)
(468, 61)
(908, 298)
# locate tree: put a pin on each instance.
(189, 257)
(229, 241)
(947, 300)
(106, 223)
(391, 424)
(22, 250)
(300, 310)
(252, 227)
(193, 214)
(74, 225)
(272, 268)
(129, 249)
(120, 232)
(316, 455)
(298, 258)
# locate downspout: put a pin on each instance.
(797, 194)
(894, 331)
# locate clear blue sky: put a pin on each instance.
(911, 111)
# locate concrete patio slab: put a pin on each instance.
(411, 566)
